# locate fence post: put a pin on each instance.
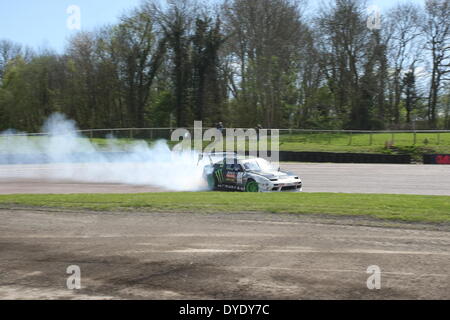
(439, 138)
(131, 133)
(392, 138)
(415, 138)
(371, 138)
(350, 139)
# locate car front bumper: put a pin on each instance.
(281, 186)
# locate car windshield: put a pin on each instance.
(258, 165)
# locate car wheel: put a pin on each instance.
(211, 182)
(251, 186)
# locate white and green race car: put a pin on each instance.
(248, 174)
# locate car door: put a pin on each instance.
(230, 174)
(239, 169)
(219, 173)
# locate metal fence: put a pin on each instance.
(367, 138)
(304, 136)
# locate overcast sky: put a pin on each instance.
(43, 23)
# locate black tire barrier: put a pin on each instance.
(334, 157)
(436, 158)
(343, 157)
(284, 156)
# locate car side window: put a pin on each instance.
(230, 166)
(234, 167)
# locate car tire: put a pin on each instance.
(212, 184)
(251, 186)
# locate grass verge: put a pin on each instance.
(409, 208)
(385, 143)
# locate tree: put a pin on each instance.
(437, 32)
(244, 62)
(344, 41)
(8, 51)
(446, 103)
(176, 23)
(30, 90)
(140, 53)
(409, 90)
(404, 31)
(206, 43)
(82, 72)
(266, 37)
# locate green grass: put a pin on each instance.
(399, 143)
(410, 208)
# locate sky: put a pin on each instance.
(45, 23)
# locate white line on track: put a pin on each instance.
(336, 271)
(351, 251)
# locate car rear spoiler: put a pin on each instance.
(210, 155)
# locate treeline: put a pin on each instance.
(242, 62)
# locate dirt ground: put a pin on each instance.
(218, 256)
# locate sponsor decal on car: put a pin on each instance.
(219, 175)
(230, 176)
(230, 187)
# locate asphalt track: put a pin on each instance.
(137, 255)
(347, 178)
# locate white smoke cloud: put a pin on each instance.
(76, 159)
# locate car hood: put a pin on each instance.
(273, 174)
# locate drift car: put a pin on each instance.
(248, 174)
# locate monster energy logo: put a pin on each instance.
(219, 175)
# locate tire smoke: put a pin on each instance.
(69, 156)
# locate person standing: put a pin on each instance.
(219, 126)
(258, 128)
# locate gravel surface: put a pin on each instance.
(217, 256)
